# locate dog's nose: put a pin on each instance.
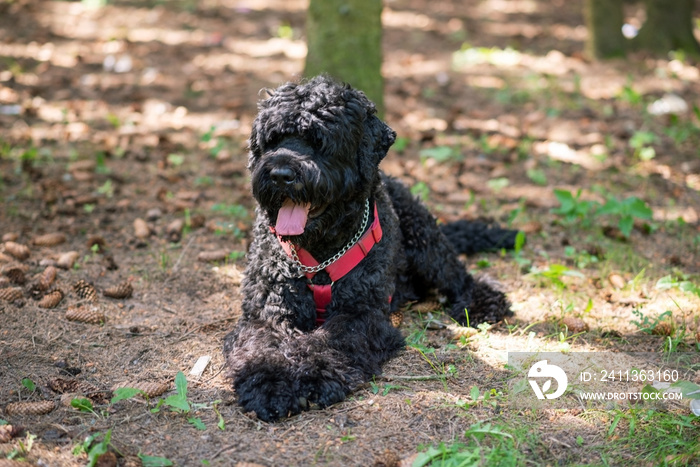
(282, 175)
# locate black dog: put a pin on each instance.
(310, 332)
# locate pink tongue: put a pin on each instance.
(291, 218)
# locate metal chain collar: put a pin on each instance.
(337, 256)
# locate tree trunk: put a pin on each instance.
(344, 40)
(669, 26)
(604, 22)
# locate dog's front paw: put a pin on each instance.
(267, 393)
(323, 393)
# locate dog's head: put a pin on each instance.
(315, 149)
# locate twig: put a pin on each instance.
(412, 378)
(179, 258)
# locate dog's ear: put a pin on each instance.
(380, 136)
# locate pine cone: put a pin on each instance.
(29, 408)
(50, 239)
(16, 275)
(396, 318)
(51, 299)
(47, 278)
(664, 328)
(85, 290)
(88, 314)
(7, 432)
(462, 331)
(18, 250)
(10, 294)
(123, 290)
(151, 389)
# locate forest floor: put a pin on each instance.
(123, 135)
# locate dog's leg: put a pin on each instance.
(261, 371)
(345, 352)
(433, 262)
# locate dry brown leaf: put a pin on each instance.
(7, 432)
(617, 280)
(66, 260)
(141, 229)
(211, 256)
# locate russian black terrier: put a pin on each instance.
(337, 246)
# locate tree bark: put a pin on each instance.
(344, 39)
(604, 20)
(669, 26)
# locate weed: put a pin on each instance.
(421, 190)
(401, 144)
(537, 176)
(236, 211)
(681, 283)
(628, 94)
(94, 448)
(385, 388)
(23, 448)
(497, 184)
(441, 154)
(641, 142)
(492, 445)
(554, 273)
(153, 461)
(29, 384)
(106, 189)
(580, 258)
(647, 324)
(572, 207)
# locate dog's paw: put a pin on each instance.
(487, 305)
(324, 393)
(269, 394)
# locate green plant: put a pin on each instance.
(236, 211)
(537, 176)
(94, 447)
(641, 142)
(386, 388)
(647, 324)
(489, 445)
(176, 160)
(572, 207)
(29, 384)
(441, 154)
(421, 190)
(681, 283)
(497, 184)
(554, 273)
(580, 258)
(154, 461)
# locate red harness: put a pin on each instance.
(338, 268)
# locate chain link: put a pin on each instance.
(336, 257)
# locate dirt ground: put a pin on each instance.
(123, 130)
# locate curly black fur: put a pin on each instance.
(320, 142)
